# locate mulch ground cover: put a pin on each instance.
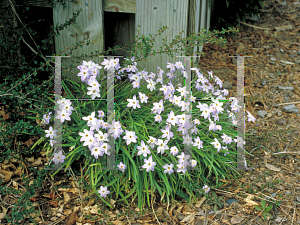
(272, 96)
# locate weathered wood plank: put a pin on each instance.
(90, 21)
(153, 15)
(125, 6)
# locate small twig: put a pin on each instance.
(220, 212)
(153, 209)
(21, 185)
(285, 212)
(256, 216)
(56, 222)
(205, 221)
(41, 212)
(293, 215)
(285, 153)
(52, 185)
(289, 103)
(256, 26)
(5, 202)
(127, 217)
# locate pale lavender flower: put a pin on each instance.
(216, 144)
(130, 137)
(168, 168)
(133, 103)
(47, 117)
(87, 134)
(174, 151)
(90, 142)
(122, 167)
(206, 188)
(187, 140)
(96, 151)
(239, 141)
(101, 114)
(105, 147)
(172, 118)
(152, 141)
(171, 66)
(103, 191)
(91, 119)
(250, 117)
(51, 133)
(143, 149)
(93, 92)
(63, 115)
(101, 137)
(198, 142)
(143, 97)
(162, 145)
(181, 168)
(52, 142)
(158, 118)
(167, 133)
(193, 163)
(149, 164)
(58, 158)
(183, 157)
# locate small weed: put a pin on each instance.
(214, 200)
(265, 210)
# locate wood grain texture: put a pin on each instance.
(90, 21)
(153, 15)
(126, 6)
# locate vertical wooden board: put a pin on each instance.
(200, 13)
(90, 21)
(153, 15)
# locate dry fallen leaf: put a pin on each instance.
(7, 175)
(199, 203)
(249, 202)
(271, 167)
(236, 219)
(189, 218)
(94, 209)
(37, 162)
(66, 197)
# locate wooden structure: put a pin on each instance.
(116, 22)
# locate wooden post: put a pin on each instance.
(90, 21)
(153, 15)
(189, 16)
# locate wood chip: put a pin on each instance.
(271, 167)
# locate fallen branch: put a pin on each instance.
(262, 28)
(289, 103)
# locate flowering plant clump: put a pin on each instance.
(149, 141)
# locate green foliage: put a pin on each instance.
(216, 201)
(25, 89)
(21, 91)
(23, 207)
(265, 210)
